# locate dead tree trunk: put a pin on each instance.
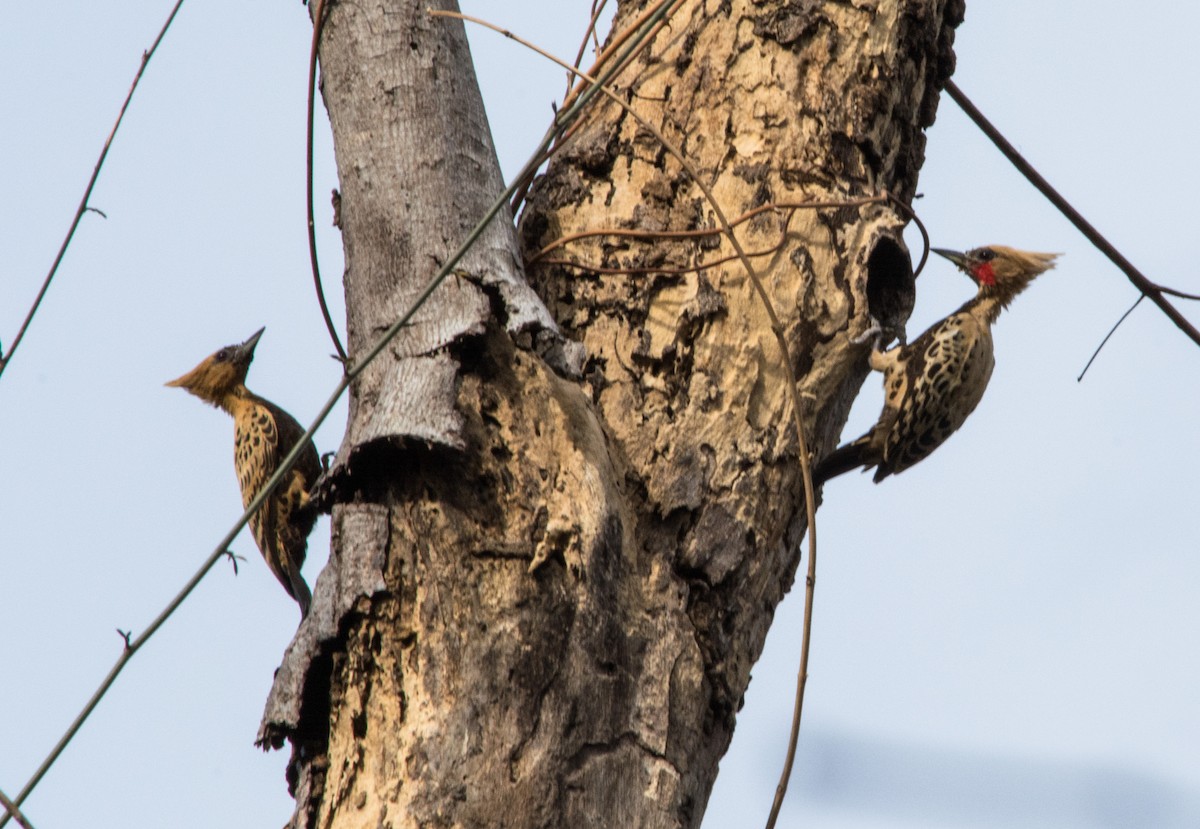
(553, 567)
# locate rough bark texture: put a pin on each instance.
(546, 592)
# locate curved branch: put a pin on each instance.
(5, 358)
(318, 25)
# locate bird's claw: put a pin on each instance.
(234, 558)
(874, 331)
(320, 491)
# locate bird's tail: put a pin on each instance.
(842, 459)
(300, 591)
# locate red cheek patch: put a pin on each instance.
(985, 275)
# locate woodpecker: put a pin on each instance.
(263, 435)
(932, 384)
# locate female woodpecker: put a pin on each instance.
(932, 384)
(263, 436)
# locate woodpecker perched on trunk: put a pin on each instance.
(263, 436)
(935, 382)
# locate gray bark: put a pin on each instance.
(546, 590)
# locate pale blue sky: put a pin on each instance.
(1005, 635)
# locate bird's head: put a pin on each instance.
(998, 270)
(220, 373)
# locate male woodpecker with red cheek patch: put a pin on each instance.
(263, 436)
(933, 384)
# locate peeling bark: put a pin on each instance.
(547, 588)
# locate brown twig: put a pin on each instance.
(1150, 289)
(628, 59)
(1179, 294)
(87, 194)
(662, 270)
(318, 26)
(526, 180)
(912, 215)
(14, 812)
(598, 68)
(597, 10)
(700, 233)
(617, 42)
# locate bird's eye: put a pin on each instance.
(985, 254)
(222, 355)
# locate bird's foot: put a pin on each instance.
(234, 558)
(873, 334)
(320, 492)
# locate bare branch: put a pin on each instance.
(1154, 291)
(83, 204)
(1179, 294)
(1111, 331)
(13, 811)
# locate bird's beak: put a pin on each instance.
(242, 355)
(245, 351)
(954, 256)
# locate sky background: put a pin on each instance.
(1005, 635)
